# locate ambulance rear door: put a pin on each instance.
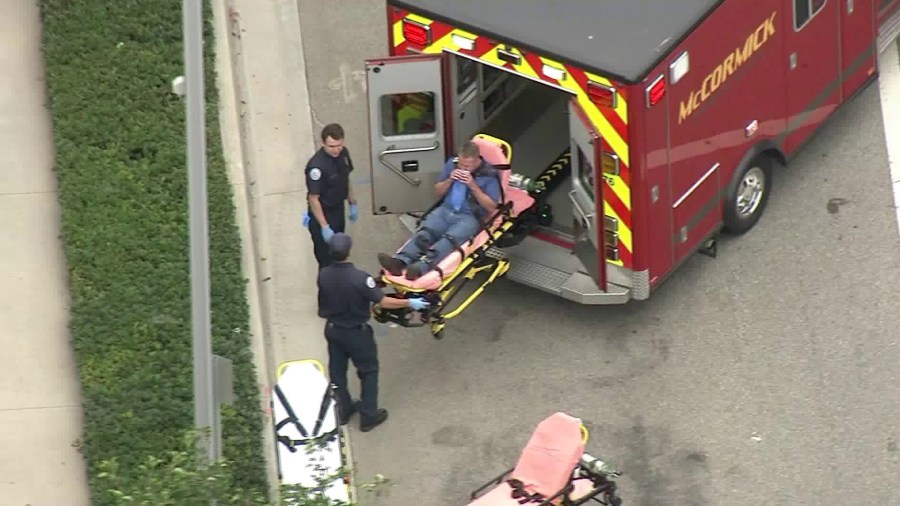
(406, 131)
(586, 194)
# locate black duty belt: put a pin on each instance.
(342, 325)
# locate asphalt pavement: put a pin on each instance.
(765, 376)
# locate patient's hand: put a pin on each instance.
(461, 175)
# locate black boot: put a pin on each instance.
(366, 425)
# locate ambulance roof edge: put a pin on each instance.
(619, 40)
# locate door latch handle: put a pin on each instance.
(586, 217)
(392, 151)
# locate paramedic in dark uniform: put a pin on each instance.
(345, 298)
(328, 186)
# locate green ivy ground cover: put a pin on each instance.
(120, 158)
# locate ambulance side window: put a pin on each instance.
(804, 10)
(407, 114)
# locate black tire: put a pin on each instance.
(743, 206)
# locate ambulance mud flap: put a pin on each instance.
(748, 191)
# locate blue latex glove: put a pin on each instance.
(306, 220)
(354, 212)
(418, 304)
(327, 233)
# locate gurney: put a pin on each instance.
(440, 285)
(312, 447)
(553, 469)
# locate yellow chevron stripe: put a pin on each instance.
(418, 19)
(624, 232)
(398, 33)
(621, 105)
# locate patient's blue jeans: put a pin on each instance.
(438, 225)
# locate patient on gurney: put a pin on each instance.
(469, 189)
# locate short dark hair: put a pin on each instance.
(469, 150)
(339, 256)
(334, 131)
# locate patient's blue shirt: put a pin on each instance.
(458, 193)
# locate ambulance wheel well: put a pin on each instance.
(762, 158)
(767, 148)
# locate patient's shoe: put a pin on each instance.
(414, 271)
(391, 264)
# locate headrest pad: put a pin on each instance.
(491, 152)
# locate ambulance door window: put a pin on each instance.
(804, 10)
(407, 114)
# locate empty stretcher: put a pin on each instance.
(312, 450)
(471, 258)
(553, 469)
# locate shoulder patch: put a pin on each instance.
(370, 282)
(315, 173)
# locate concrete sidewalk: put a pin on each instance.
(268, 137)
(40, 398)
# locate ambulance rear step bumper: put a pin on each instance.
(577, 287)
(888, 32)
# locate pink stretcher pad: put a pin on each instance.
(520, 200)
(547, 463)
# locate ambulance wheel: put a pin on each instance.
(749, 193)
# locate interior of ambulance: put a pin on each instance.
(538, 128)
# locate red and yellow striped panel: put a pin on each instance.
(611, 123)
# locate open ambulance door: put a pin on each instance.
(406, 131)
(586, 194)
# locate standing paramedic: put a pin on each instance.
(328, 186)
(345, 297)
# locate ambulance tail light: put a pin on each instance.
(604, 96)
(416, 33)
(656, 91)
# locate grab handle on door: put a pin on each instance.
(587, 217)
(392, 151)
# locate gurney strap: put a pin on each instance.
(292, 417)
(520, 493)
(323, 407)
(292, 444)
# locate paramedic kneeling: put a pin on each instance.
(469, 188)
(345, 295)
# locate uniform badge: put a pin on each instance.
(370, 282)
(315, 174)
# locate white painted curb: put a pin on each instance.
(889, 86)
